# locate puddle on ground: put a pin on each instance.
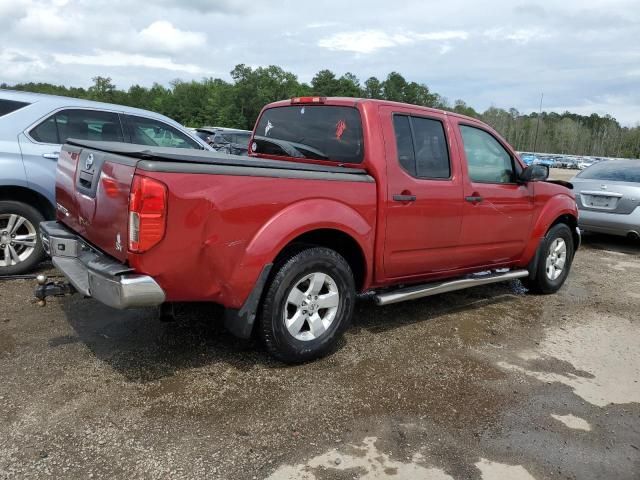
(499, 471)
(605, 346)
(574, 422)
(368, 463)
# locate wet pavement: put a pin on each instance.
(488, 383)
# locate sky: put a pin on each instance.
(584, 55)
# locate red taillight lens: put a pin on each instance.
(147, 213)
(300, 100)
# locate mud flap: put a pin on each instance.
(240, 321)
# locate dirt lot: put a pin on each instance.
(491, 383)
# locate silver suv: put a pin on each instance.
(32, 128)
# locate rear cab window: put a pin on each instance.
(316, 132)
(9, 106)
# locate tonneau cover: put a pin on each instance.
(145, 152)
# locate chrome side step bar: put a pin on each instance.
(428, 289)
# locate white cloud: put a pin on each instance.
(163, 36)
(49, 23)
(369, 41)
(119, 59)
(520, 36)
(16, 65)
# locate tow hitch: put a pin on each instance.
(48, 288)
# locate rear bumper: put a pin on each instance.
(611, 223)
(96, 275)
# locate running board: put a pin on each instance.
(428, 289)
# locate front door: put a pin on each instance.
(424, 194)
(497, 208)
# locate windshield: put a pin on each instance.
(311, 131)
(614, 171)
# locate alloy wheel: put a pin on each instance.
(311, 306)
(18, 237)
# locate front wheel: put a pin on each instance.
(553, 261)
(308, 305)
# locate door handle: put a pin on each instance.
(473, 198)
(404, 198)
(51, 156)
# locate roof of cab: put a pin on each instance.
(352, 101)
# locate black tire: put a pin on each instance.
(33, 216)
(538, 281)
(272, 329)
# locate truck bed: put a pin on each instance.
(226, 216)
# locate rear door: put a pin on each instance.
(424, 194)
(497, 209)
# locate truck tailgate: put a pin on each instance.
(92, 196)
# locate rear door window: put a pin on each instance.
(147, 131)
(422, 147)
(8, 106)
(79, 124)
(319, 132)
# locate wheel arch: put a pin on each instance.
(336, 240)
(320, 222)
(558, 209)
(29, 197)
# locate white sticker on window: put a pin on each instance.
(267, 128)
(302, 111)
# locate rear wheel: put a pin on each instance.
(308, 305)
(553, 261)
(20, 245)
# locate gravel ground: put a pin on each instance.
(488, 383)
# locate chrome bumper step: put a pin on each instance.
(428, 289)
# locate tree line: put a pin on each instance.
(236, 104)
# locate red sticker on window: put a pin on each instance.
(340, 128)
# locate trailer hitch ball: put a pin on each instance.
(41, 279)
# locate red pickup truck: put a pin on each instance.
(338, 196)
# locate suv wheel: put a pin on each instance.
(308, 305)
(553, 260)
(20, 245)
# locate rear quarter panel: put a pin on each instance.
(222, 230)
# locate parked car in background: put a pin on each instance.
(204, 133)
(226, 140)
(608, 197)
(33, 127)
(340, 196)
(584, 164)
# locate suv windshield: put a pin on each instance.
(614, 171)
(321, 132)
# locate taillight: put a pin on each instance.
(300, 100)
(147, 213)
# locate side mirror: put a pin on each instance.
(535, 173)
